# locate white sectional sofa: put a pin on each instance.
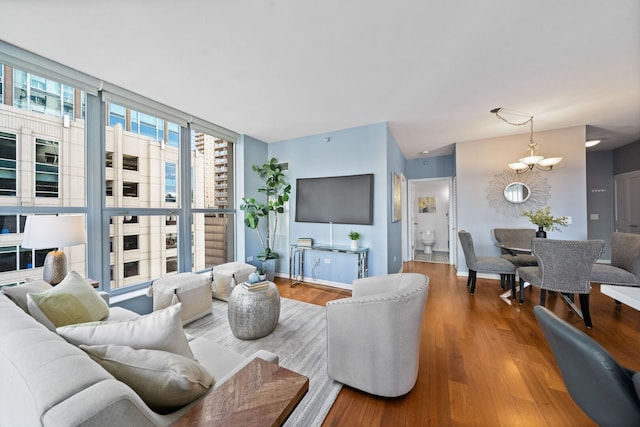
(46, 381)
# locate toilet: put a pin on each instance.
(428, 239)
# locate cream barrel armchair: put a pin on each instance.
(373, 338)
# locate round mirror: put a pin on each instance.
(517, 192)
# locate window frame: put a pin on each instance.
(96, 94)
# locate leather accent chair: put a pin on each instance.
(510, 238)
(606, 391)
(625, 262)
(485, 264)
(563, 266)
(373, 338)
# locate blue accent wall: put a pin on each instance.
(432, 167)
(361, 150)
(255, 153)
(395, 164)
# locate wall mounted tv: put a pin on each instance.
(335, 199)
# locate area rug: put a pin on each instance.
(299, 340)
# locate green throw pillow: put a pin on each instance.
(72, 301)
(165, 381)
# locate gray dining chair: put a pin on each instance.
(564, 266)
(485, 264)
(606, 391)
(515, 245)
(625, 262)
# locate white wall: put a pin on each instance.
(438, 220)
(478, 161)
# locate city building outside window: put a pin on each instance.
(46, 168)
(42, 95)
(212, 192)
(142, 204)
(32, 138)
(170, 182)
(8, 183)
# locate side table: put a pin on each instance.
(260, 394)
(253, 313)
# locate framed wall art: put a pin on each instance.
(397, 198)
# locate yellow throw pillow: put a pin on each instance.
(165, 381)
(72, 301)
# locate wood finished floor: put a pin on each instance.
(482, 362)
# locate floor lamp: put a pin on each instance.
(53, 231)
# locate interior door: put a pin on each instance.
(627, 202)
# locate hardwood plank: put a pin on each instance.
(482, 362)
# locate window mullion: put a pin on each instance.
(184, 183)
(97, 268)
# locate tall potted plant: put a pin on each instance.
(276, 190)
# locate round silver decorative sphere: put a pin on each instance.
(253, 314)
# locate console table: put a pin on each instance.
(296, 259)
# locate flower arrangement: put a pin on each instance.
(543, 218)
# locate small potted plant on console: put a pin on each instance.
(354, 236)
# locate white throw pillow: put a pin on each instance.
(72, 301)
(165, 381)
(160, 330)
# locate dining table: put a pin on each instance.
(509, 295)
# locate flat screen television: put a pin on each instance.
(335, 199)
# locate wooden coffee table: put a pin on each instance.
(260, 394)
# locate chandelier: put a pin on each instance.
(532, 159)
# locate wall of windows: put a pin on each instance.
(42, 166)
(138, 226)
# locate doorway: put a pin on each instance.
(431, 209)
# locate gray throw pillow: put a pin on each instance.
(18, 293)
(165, 381)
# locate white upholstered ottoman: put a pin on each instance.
(192, 290)
(226, 276)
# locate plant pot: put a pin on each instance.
(541, 233)
(269, 269)
(354, 245)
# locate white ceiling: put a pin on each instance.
(432, 69)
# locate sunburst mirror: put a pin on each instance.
(511, 193)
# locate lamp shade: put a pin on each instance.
(48, 231)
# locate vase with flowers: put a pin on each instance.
(545, 221)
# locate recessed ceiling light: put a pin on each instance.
(592, 143)
(424, 152)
